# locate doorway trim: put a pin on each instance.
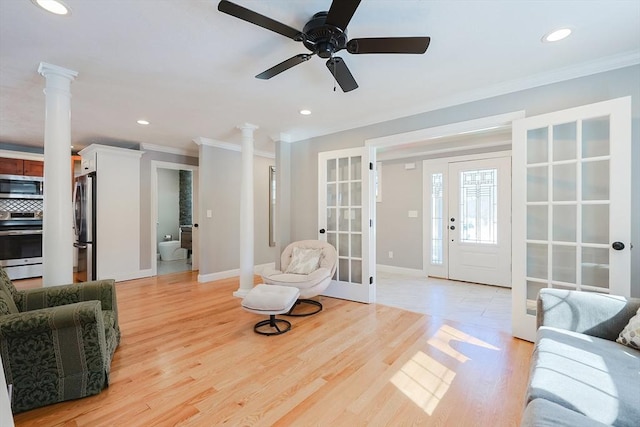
(155, 165)
(434, 134)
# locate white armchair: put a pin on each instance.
(308, 265)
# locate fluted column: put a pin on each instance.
(246, 212)
(57, 239)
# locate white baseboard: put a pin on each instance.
(257, 269)
(413, 272)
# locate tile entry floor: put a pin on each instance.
(467, 303)
(167, 267)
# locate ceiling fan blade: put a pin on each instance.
(259, 20)
(341, 73)
(284, 66)
(389, 45)
(341, 12)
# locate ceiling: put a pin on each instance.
(189, 69)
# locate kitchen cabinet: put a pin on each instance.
(10, 166)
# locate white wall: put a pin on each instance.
(168, 203)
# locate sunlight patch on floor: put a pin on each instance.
(424, 380)
(446, 334)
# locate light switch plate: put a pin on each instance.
(209, 213)
(413, 214)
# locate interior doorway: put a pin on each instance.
(467, 219)
(174, 225)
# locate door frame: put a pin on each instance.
(195, 252)
(428, 167)
(433, 135)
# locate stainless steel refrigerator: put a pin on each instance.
(84, 205)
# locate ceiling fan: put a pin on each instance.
(324, 35)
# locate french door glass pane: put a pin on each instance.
(564, 263)
(356, 245)
(595, 180)
(343, 194)
(537, 146)
(356, 193)
(537, 222)
(564, 223)
(331, 170)
(564, 182)
(595, 137)
(564, 142)
(331, 219)
(356, 271)
(356, 166)
(537, 261)
(343, 169)
(538, 184)
(343, 269)
(356, 220)
(479, 206)
(437, 220)
(593, 216)
(343, 219)
(332, 196)
(595, 267)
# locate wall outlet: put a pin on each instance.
(390, 254)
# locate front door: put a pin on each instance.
(468, 221)
(480, 221)
(346, 220)
(571, 205)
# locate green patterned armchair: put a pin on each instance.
(57, 342)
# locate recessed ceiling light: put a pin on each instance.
(556, 35)
(305, 112)
(143, 122)
(53, 6)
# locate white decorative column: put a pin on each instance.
(246, 212)
(57, 239)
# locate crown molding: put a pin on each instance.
(208, 142)
(169, 150)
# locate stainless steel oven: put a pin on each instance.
(21, 237)
(21, 187)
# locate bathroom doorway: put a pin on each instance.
(174, 223)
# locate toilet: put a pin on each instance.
(171, 251)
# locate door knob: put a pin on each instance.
(453, 219)
(195, 225)
(453, 227)
(618, 246)
(322, 231)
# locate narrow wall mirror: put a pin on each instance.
(272, 205)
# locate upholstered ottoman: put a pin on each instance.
(271, 300)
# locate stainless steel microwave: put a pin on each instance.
(23, 187)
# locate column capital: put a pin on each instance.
(247, 127)
(47, 70)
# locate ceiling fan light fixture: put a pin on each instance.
(305, 112)
(53, 6)
(556, 35)
(143, 122)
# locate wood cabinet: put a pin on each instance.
(33, 168)
(21, 167)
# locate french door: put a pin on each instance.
(571, 205)
(346, 220)
(468, 232)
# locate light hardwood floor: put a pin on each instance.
(189, 356)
